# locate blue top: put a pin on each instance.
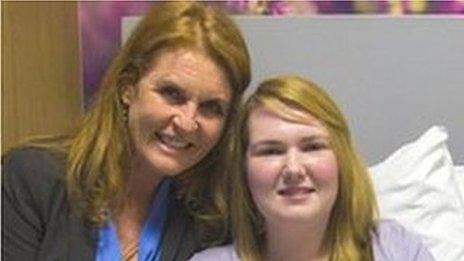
(150, 239)
(392, 243)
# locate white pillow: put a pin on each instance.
(459, 175)
(416, 186)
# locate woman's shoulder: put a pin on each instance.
(33, 159)
(392, 241)
(27, 162)
(32, 170)
(223, 253)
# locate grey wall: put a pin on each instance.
(393, 77)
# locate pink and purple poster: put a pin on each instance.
(100, 22)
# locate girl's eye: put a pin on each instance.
(269, 152)
(172, 94)
(315, 146)
(212, 109)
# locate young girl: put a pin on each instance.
(299, 190)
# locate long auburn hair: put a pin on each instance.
(99, 152)
(353, 216)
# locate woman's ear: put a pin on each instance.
(128, 95)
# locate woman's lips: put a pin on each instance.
(173, 142)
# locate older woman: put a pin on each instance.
(135, 180)
(299, 190)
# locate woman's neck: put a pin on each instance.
(141, 186)
(286, 241)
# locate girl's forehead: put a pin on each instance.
(264, 121)
(286, 113)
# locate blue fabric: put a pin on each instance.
(150, 239)
(108, 244)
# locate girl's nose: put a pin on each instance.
(293, 170)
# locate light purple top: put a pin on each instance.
(392, 243)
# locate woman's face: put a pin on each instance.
(292, 170)
(177, 111)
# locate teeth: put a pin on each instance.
(174, 142)
(179, 144)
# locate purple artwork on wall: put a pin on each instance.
(100, 22)
(100, 28)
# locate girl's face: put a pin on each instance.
(292, 170)
(177, 111)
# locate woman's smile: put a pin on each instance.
(172, 142)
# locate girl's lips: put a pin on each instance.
(293, 191)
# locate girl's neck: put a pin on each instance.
(302, 241)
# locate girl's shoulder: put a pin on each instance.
(223, 253)
(392, 241)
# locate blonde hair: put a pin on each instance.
(98, 153)
(352, 220)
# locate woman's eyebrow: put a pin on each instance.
(167, 81)
(213, 98)
(217, 95)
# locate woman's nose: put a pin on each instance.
(185, 118)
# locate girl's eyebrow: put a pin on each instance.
(259, 143)
(315, 137)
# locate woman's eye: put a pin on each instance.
(172, 94)
(212, 109)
